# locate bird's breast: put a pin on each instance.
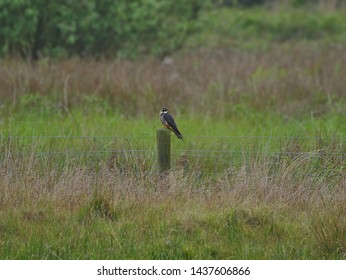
(162, 118)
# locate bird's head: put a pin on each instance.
(164, 110)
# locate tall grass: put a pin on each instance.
(294, 80)
(260, 174)
(94, 197)
(84, 211)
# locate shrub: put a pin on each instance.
(59, 28)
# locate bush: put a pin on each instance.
(60, 28)
(241, 3)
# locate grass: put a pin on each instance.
(260, 173)
(180, 224)
(293, 81)
(90, 134)
(267, 201)
(259, 27)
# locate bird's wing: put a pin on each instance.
(170, 121)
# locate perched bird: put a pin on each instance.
(168, 122)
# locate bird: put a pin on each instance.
(168, 122)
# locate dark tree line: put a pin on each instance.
(104, 28)
(34, 28)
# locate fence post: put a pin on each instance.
(164, 149)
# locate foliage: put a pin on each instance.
(41, 28)
(59, 28)
(240, 3)
(258, 28)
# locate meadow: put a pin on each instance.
(260, 173)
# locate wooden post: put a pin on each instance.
(164, 149)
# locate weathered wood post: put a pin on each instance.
(164, 150)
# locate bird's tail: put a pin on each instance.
(178, 134)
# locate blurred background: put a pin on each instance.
(286, 55)
(131, 29)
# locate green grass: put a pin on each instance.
(104, 121)
(260, 173)
(93, 135)
(258, 27)
(173, 229)
(72, 207)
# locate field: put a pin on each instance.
(260, 173)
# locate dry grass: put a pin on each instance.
(291, 214)
(287, 202)
(292, 80)
(295, 183)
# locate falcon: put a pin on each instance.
(168, 122)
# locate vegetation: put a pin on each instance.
(97, 28)
(129, 29)
(261, 104)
